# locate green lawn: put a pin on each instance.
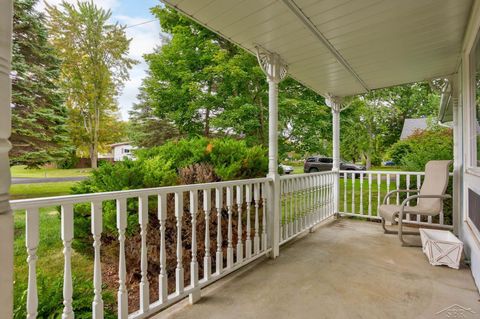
(22, 191)
(22, 171)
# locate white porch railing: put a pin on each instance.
(306, 200)
(363, 192)
(243, 201)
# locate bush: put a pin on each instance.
(414, 152)
(217, 159)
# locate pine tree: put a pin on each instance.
(145, 128)
(39, 133)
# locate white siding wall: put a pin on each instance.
(471, 177)
(122, 151)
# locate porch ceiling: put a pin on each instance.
(344, 47)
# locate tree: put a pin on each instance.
(94, 66)
(146, 129)
(39, 132)
(207, 86)
(374, 121)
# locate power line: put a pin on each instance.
(141, 23)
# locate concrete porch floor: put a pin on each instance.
(346, 269)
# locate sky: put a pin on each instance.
(144, 37)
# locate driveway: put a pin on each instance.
(30, 180)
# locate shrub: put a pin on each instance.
(413, 153)
(183, 161)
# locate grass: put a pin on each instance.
(23, 171)
(23, 191)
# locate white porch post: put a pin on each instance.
(335, 103)
(6, 217)
(457, 155)
(275, 70)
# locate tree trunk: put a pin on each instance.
(206, 131)
(94, 156)
(368, 161)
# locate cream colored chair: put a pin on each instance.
(429, 199)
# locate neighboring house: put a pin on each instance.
(121, 151)
(410, 126)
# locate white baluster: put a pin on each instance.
(230, 225)
(219, 206)
(419, 185)
(96, 228)
(179, 218)
(207, 260)
(408, 203)
(256, 237)
(31, 242)
(388, 187)
(353, 193)
(195, 294)
(248, 241)
(291, 223)
(144, 284)
(122, 294)
(239, 225)
(379, 198)
(163, 276)
(369, 194)
(67, 237)
(361, 193)
(345, 182)
(397, 184)
(264, 216)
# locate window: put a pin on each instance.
(311, 159)
(126, 150)
(326, 160)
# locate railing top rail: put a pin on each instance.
(97, 197)
(383, 172)
(387, 172)
(283, 177)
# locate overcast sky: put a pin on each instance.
(144, 37)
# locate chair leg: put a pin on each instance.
(387, 231)
(401, 233)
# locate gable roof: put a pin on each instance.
(412, 125)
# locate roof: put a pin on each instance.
(120, 144)
(344, 47)
(412, 125)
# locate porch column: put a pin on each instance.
(335, 103)
(275, 70)
(457, 156)
(6, 217)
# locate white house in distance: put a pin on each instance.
(410, 126)
(123, 150)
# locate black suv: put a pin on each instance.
(319, 163)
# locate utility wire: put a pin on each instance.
(141, 23)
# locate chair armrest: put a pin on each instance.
(398, 191)
(409, 198)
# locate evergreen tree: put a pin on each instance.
(39, 133)
(145, 128)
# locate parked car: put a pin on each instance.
(319, 163)
(389, 163)
(286, 169)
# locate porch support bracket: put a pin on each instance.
(276, 70)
